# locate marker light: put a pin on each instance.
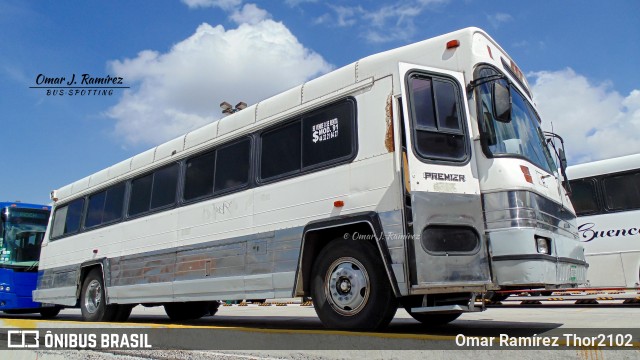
(526, 173)
(338, 203)
(453, 44)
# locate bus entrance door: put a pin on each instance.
(442, 191)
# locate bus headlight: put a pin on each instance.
(1, 287)
(542, 245)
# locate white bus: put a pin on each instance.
(606, 197)
(416, 177)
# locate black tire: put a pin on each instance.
(365, 299)
(183, 311)
(93, 300)
(258, 301)
(50, 312)
(496, 297)
(546, 293)
(123, 313)
(213, 308)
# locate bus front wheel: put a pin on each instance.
(93, 302)
(350, 288)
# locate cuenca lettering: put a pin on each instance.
(588, 233)
(444, 177)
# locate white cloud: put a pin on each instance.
(294, 3)
(387, 23)
(498, 19)
(177, 91)
(223, 4)
(250, 14)
(596, 121)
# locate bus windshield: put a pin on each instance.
(522, 136)
(21, 234)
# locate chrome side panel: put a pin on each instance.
(453, 269)
(513, 220)
(58, 285)
(393, 229)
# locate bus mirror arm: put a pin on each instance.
(562, 158)
(563, 168)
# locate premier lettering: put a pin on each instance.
(444, 177)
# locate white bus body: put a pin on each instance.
(369, 185)
(606, 196)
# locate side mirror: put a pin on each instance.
(562, 158)
(501, 102)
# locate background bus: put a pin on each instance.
(606, 197)
(417, 177)
(22, 228)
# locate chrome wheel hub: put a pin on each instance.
(347, 286)
(93, 296)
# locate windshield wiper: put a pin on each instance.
(477, 82)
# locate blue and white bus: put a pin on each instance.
(22, 228)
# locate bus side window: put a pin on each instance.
(584, 197)
(435, 112)
(622, 192)
(67, 218)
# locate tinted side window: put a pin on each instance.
(435, 111)
(584, 197)
(95, 208)
(113, 203)
(74, 216)
(281, 151)
(232, 165)
(140, 198)
(105, 206)
(328, 134)
(165, 182)
(59, 218)
(199, 176)
(67, 218)
(622, 192)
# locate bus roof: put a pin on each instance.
(313, 93)
(601, 167)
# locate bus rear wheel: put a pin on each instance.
(350, 288)
(93, 302)
(183, 311)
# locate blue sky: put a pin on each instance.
(182, 58)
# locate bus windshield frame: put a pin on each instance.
(522, 137)
(21, 234)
